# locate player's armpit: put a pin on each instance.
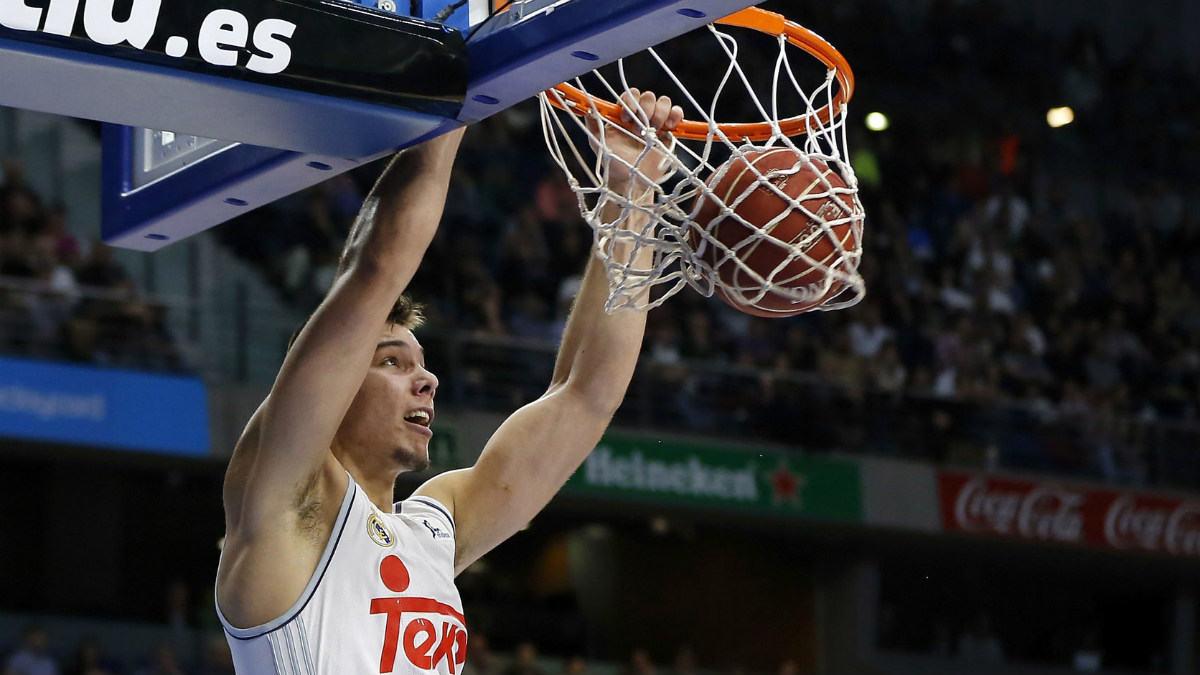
(272, 546)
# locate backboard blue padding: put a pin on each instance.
(512, 59)
(196, 199)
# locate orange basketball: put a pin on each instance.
(809, 183)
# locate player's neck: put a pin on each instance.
(379, 490)
(378, 482)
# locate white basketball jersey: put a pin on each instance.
(382, 600)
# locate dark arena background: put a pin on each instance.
(991, 465)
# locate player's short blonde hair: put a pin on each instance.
(406, 313)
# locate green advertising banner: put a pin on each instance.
(443, 448)
(720, 476)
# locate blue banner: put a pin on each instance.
(85, 405)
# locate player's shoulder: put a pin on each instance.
(429, 512)
(442, 491)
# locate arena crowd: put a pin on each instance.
(1032, 292)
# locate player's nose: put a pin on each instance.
(425, 383)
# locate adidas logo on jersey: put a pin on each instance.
(436, 531)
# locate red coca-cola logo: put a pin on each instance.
(1043, 511)
(1057, 512)
(1171, 526)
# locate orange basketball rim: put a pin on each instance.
(763, 22)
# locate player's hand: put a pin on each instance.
(655, 112)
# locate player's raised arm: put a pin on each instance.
(283, 464)
(536, 450)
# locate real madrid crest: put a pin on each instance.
(378, 531)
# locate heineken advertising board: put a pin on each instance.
(720, 477)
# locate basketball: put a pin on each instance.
(790, 231)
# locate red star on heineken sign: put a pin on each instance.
(787, 484)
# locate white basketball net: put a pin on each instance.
(661, 220)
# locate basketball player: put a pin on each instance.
(320, 572)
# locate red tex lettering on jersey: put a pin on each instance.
(424, 645)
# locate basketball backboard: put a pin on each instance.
(296, 91)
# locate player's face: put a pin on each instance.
(390, 416)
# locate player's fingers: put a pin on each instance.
(674, 118)
(629, 104)
(646, 102)
(662, 111)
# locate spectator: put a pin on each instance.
(16, 255)
(524, 254)
(480, 660)
(685, 662)
(888, 371)
(178, 616)
(33, 657)
(162, 662)
(525, 661)
(640, 663)
(663, 345)
(218, 659)
(941, 640)
(87, 660)
(867, 332)
(575, 665)
(951, 295)
(1088, 658)
(980, 643)
(62, 241)
(532, 318)
(837, 363)
(20, 208)
(699, 340)
(1007, 212)
(100, 269)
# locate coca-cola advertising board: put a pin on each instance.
(1066, 513)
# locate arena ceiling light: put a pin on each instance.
(877, 121)
(1060, 117)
